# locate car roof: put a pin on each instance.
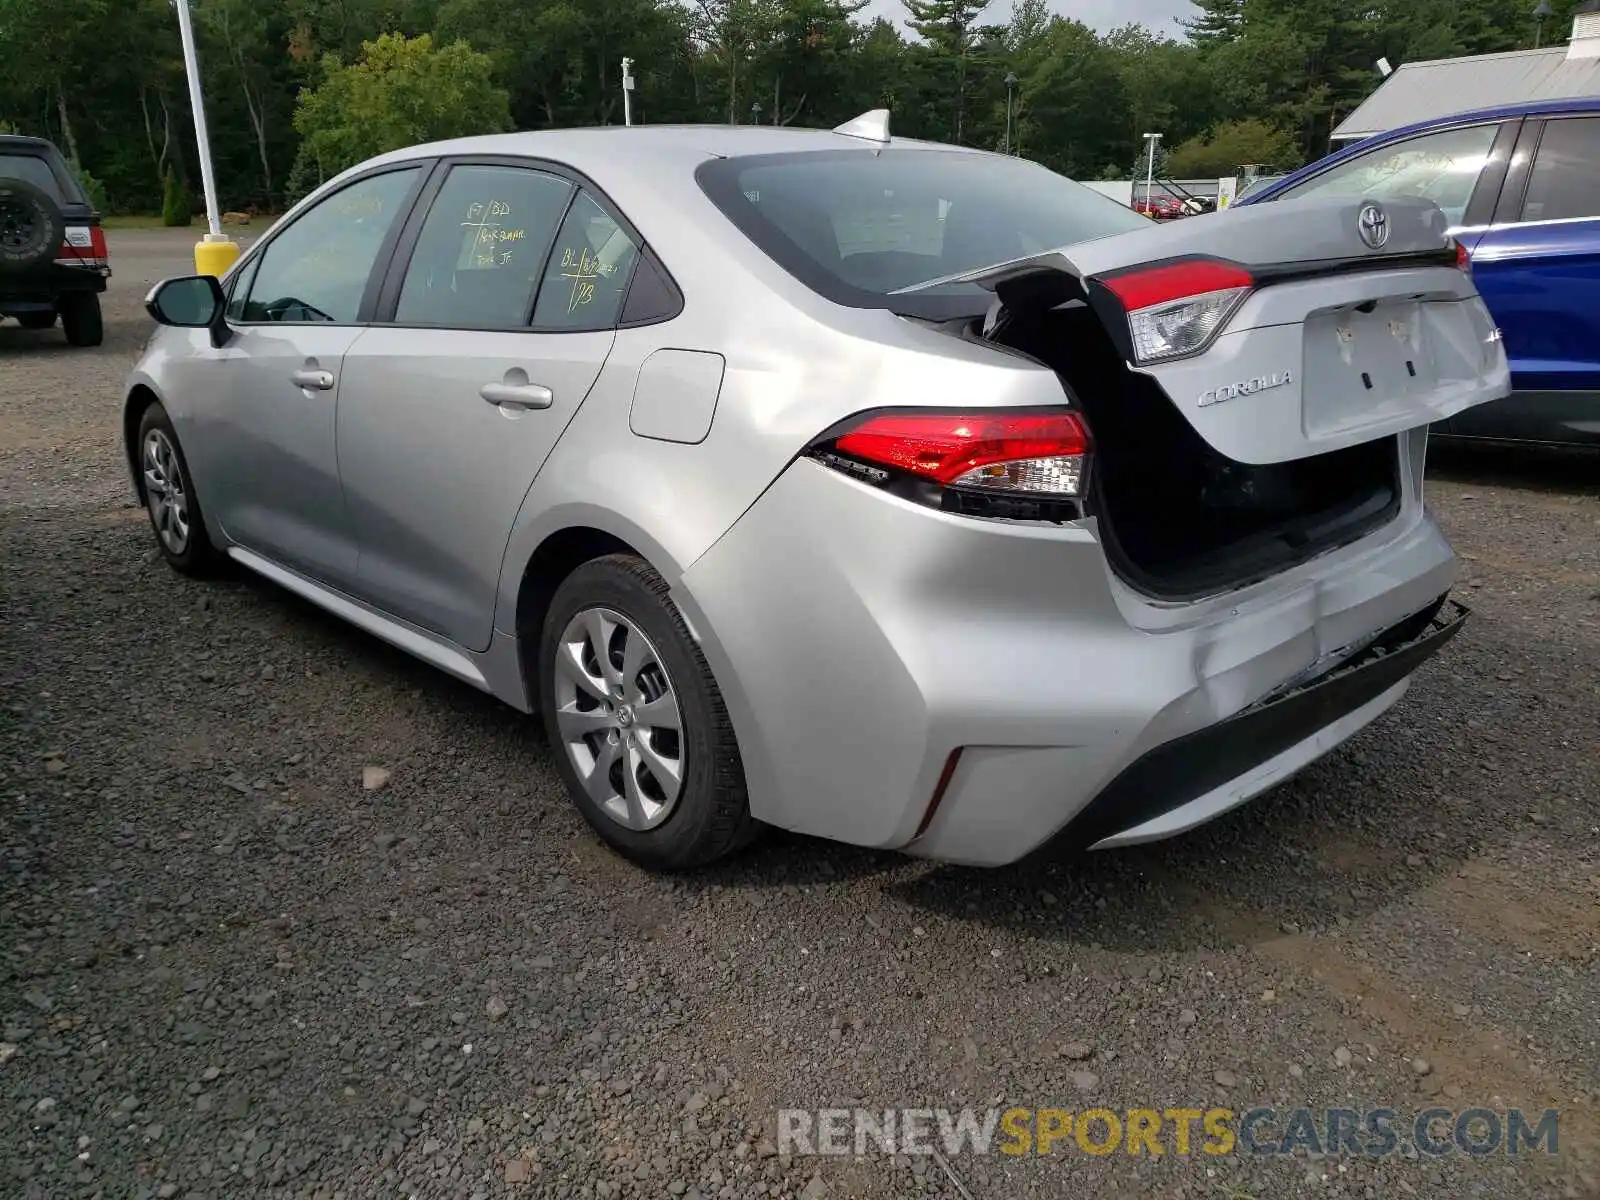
(1525, 108)
(17, 141)
(598, 147)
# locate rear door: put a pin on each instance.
(1538, 267)
(497, 316)
(1289, 329)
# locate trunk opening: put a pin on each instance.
(1179, 519)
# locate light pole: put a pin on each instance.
(1540, 12)
(1011, 85)
(215, 252)
(1150, 170)
(627, 91)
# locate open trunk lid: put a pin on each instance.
(1285, 330)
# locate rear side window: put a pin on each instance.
(31, 168)
(588, 273)
(1565, 181)
(859, 225)
(1442, 167)
(478, 258)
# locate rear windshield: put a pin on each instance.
(31, 168)
(857, 225)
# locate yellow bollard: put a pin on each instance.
(214, 254)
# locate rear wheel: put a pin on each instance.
(635, 720)
(80, 319)
(169, 497)
(37, 320)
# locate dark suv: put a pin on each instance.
(52, 250)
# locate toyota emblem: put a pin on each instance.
(1373, 226)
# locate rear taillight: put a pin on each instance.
(1018, 464)
(1176, 310)
(84, 246)
(1463, 258)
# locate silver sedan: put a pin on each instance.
(893, 492)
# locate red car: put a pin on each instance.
(1158, 207)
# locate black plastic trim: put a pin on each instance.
(1186, 768)
(1491, 180)
(1508, 208)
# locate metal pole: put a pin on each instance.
(191, 63)
(627, 91)
(1150, 171)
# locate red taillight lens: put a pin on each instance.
(1040, 453)
(1463, 257)
(1175, 310)
(1176, 281)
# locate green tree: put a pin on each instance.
(1231, 145)
(175, 205)
(401, 91)
(947, 29)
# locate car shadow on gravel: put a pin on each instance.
(1572, 471)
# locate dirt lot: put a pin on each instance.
(225, 969)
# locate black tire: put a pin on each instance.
(80, 319)
(711, 816)
(37, 320)
(31, 226)
(196, 555)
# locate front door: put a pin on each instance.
(501, 322)
(295, 315)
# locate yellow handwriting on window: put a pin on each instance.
(582, 268)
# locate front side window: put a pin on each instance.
(316, 270)
(859, 226)
(1442, 167)
(478, 258)
(588, 273)
(1565, 181)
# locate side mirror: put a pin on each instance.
(190, 302)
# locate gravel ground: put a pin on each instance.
(228, 968)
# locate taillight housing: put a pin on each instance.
(1176, 309)
(84, 246)
(1027, 464)
(1463, 258)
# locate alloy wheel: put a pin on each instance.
(166, 492)
(618, 718)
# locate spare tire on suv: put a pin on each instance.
(31, 226)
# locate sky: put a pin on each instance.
(1099, 15)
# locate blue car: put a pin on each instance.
(1521, 188)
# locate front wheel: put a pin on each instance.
(638, 728)
(169, 497)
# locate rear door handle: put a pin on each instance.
(320, 381)
(517, 395)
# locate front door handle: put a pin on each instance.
(517, 396)
(320, 381)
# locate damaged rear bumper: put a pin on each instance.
(1192, 779)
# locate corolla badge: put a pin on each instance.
(1245, 387)
(1372, 223)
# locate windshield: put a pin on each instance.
(858, 226)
